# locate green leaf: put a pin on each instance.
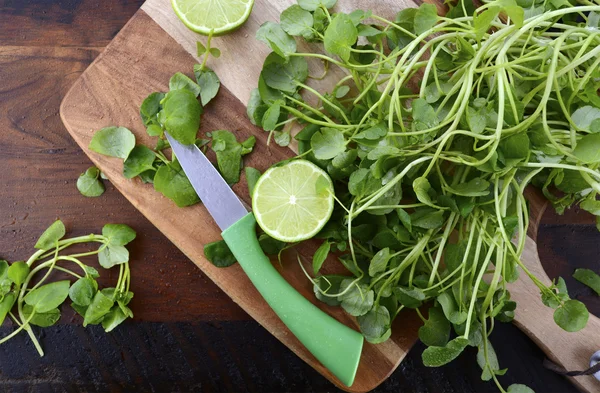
(41, 319)
(588, 149)
(82, 291)
(296, 21)
(252, 176)
(321, 255)
(572, 316)
(200, 48)
(181, 81)
(215, 52)
(340, 35)
(515, 147)
(328, 143)
(425, 18)
(404, 219)
(475, 187)
(410, 298)
(281, 74)
(51, 236)
(373, 133)
(17, 272)
(269, 245)
(229, 155)
(113, 318)
(435, 332)
(182, 113)
(113, 141)
(379, 262)
(488, 364)
(483, 21)
(429, 220)
(584, 116)
(282, 138)
(48, 296)
(586, 276)
(518, 388)
(436, 356)
(451, 310)
(89, 183)
(476, 119)
(209, 83)
(139, 160)
(345, 159)
(276, 38)
(422, 188)
(329, 285)
(514, 12)
(118, 234)
(358, 300)
(271, 117)
(112, 255)
(341, 91)
(256, 108)
(8, 300)
(423, 114)
(171, 181)
(312, 5)
(375, 325)
(97, 310)
(150, 108)
(219, 254)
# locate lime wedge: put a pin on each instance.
(293, 201)
(220, 16)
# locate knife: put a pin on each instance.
(334, 344)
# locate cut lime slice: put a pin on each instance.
(293, 201)
(220, 16)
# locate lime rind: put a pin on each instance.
(223, 15)
(286, 203)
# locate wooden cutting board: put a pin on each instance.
(154, 45)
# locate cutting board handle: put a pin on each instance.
(334, 344)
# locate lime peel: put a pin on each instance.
(212, 17)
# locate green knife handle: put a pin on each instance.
(334, 344)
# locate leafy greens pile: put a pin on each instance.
(178, 112)
(39, 304)
(431, 137)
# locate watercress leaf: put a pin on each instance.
(255, 109)
(112, 255)
(215, 52)
(269, 245)
(312, 5)
(150, 108)
(8, 300)
(321, 255)
(430, 220)
(592, 206)
(139, 160)
(181, 81)
(51, 236)
(98, 308)
(182, 115)
(229, 155)
(118, 234)
(425, 18)
(588, 149)
(79, 309)
(476, 119)
(345, 159)
(268, 95)
(451, 310)
(368, 31)
(519, 388)
(410, 298)
(49, 296)
(474, 187)
(89, 183)
(328, 143)
(113, 141)
(200, 48)
(436, 356)
(488, 364)
(328, 285)
(155, 130)
(483, 21)
(171, 181)
(281, 74)
(515, 147)
(219, 254)
(373, 133)
(271, 117)
(589, 278)
(423, 114)
(276, 38)
(341, 91)
(209, 83)
(340, 35)
(358, 299)
(17, 272)
(375, 324)
(379, 262)
(422, 189)
(252, 176)
(296, 21)
(435, 332)
(82, 291)
(572, 316)
(113, 318)
(41, 319)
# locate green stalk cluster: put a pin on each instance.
(431, 138)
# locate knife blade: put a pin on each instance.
(334, 344)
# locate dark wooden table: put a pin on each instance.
(186, 335)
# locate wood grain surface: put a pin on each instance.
(217, 349)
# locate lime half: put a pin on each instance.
(220, 16)
(292, 202)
